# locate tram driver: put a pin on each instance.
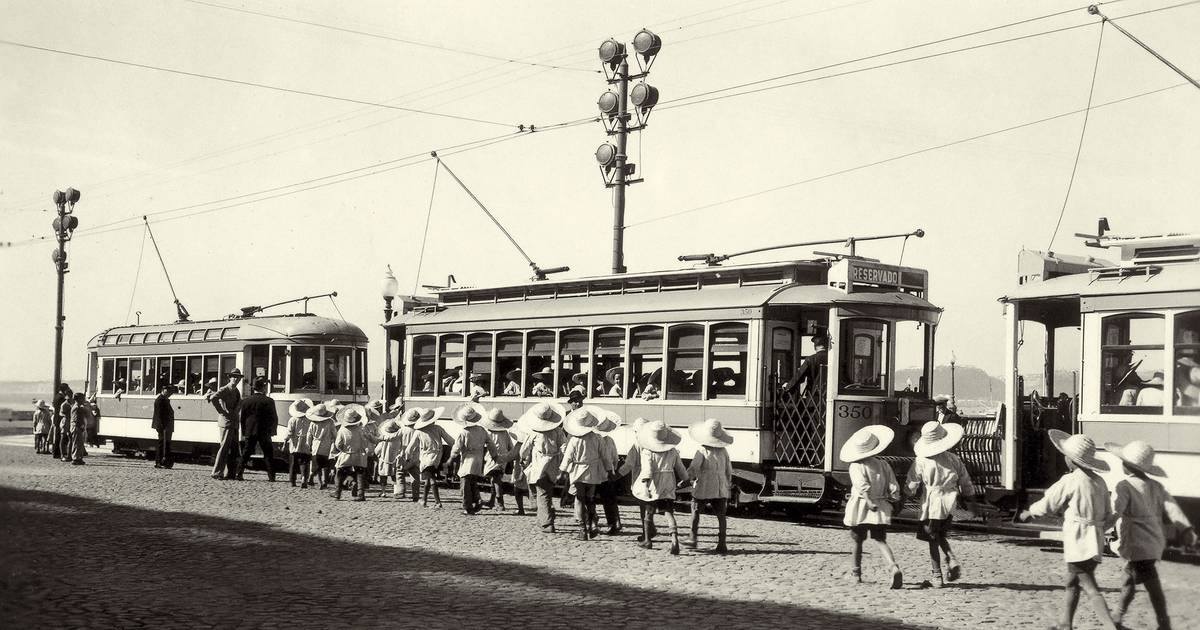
(811, 368)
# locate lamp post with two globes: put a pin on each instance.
(64, 226)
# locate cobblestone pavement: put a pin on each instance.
(117, 543)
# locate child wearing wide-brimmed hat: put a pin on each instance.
(586, 465)
(298, 442)
(660, 473)
(471, 448)
(541, 455)
(426, 450)
(391, 445)
(403, 467)
(632, 467)
(321, 433)
(607, 491)
(712, 473)
(873, 489)
(1141, 506)
(1081, 497)
(497, 426)
(42, 417)
(544, 381)
(351, 448)
(944, 478)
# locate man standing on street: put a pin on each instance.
(259, 423)
(164, 424)
(226, 400)
(62, 422)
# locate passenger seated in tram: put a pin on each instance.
(543, 379)
(648, 389)
(578, 384)
(1187, 382)
(453, 383)
(512, 385)
(724, 380)
(427, 382)
(1138, 393)
(613, 376)
(477, 382)
(810, 369)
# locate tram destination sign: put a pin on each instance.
(860, 273)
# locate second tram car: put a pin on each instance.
(302, 356)
(685, 345)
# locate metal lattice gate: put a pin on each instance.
(799, 427)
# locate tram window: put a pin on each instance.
(180, 335)
(424, 354)
(229, 333)
(450, 366)
(138, 338)
(572, 364)
(685, 362)
(196, 335)
(135, 376)
(106, 376)
(148, 373)
(864, 360)
(337, 370)
(727, 356)
(228, 363)
(212, 365)
(121, 379)
(360, 371)
(195, 369)
(212, 334)
(539, 357)
(122, 339)
(479, 363)
(645, 362)
(508, 362)
(110, 340)
(783, 355)
(305, 370)
(912, 373)
(164, 373)
(1131, 364)
(276, 370)
(179, 374)
(608, 362)
(1187, 363)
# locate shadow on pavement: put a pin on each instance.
(74, 561)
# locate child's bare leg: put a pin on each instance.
(674, 532)
(437, 496)
(1158, 599)
(1128, 590)
(1070, 602)
(887, 554)
(1088, 582)
(695, 528)
(428, 486)
(647, 523)
(520, 500)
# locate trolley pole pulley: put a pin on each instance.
(180, 309)
(1095, 10)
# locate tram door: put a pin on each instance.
(796, 415)
(1048, 363)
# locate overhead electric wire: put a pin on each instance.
(893, 158)
(1079, 147)
(390, 38)
(264, 86)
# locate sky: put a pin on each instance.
(306, 170)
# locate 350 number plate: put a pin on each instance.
(856, 411)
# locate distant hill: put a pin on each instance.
(970, 382)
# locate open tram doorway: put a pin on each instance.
(795, 387)
(1048, 367)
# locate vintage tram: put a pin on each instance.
(301, 355)
(718, 341)
(1127, 337)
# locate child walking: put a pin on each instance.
(405, 468)
(661, 471)
(426, 449)
(299, 445)
(944, 477)
(42, 417)
(873, 489)
(497, 426)
(633, 468)
(1141, 505)
(607, 491)
(541, 453)
(712, 473)
(471, 447)
(388, 450)
(586, 466)
(321, 433)
(351, 448)
(1081, 497)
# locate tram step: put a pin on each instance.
(795, 486)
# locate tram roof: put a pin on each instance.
(672, 301)
(1117, 280)
(275, 327)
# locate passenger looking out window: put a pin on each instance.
(479, 365)
(508, 362)
(1131, 364)
(1187, 363)
(685, 362)
(608, 361)
(645, 362)
(450, 359)
(727, 355)
(423, 357)
(572, 363)
(539, 357)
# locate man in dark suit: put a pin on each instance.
(259, 422)
(164, 424)
(226, 400)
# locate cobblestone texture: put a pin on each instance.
(117, 543)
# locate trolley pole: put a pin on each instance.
(622, 121)
(64, 225)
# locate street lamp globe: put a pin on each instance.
(388, 287)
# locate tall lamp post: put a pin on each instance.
(388, 288)
(64, 225)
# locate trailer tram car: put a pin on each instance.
(1137, 328)
(682, 346)
(302, 356)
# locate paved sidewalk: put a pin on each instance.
(117, 543)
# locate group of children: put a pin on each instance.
(1139, 507)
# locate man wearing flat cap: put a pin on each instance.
(226, 401)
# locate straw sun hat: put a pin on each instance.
(580, 422)
(470, 413)
(1136, 454)
(319, 412)
(495, 420)
(542, 375)
(710, 433)
(300, 407)
(410, 417)
(865, 442)
(351, 415)
(609, 420)
(656, 436)
(543, 417)
(428, 417)
(1078, 448)
(937, 438)
(389, 429)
